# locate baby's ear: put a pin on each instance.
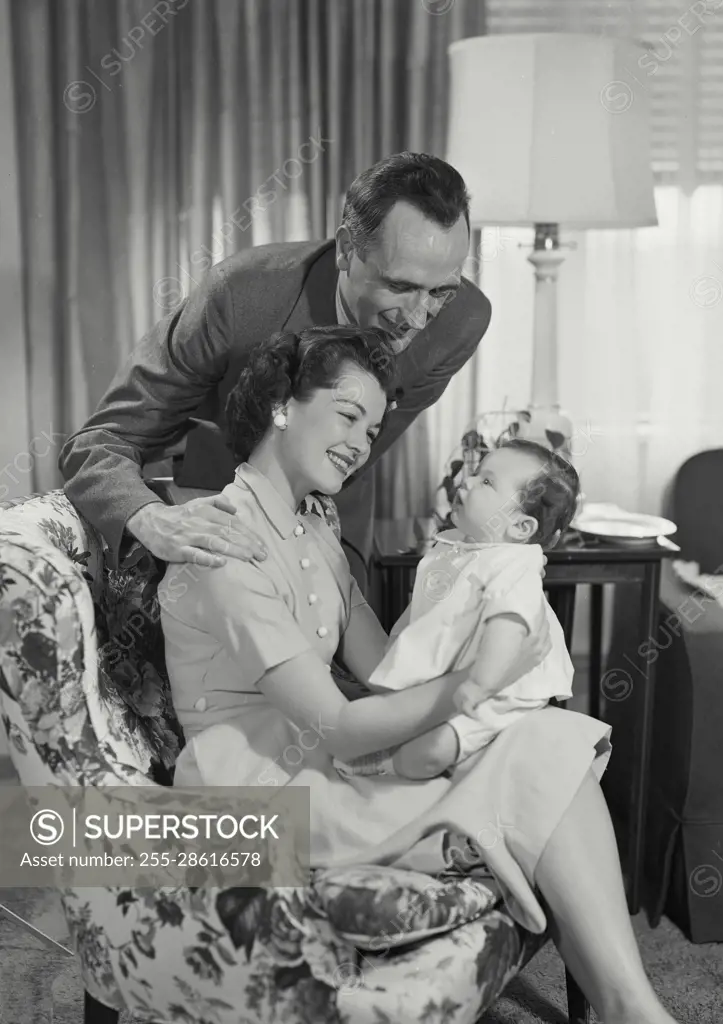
(528, 527)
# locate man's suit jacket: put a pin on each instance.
(187, 364)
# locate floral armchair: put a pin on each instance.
(85, 701)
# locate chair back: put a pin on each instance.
(697, 509)
(84, 695)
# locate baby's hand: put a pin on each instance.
(468, 697)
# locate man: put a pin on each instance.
(396, 262)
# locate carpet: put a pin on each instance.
(41, 985)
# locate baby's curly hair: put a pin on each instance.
(295, 366)
(552, 496)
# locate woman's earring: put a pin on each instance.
(280, 420)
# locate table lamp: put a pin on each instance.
(547, 132)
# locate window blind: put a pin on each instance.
(681, 69)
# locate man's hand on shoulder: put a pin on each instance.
(205, 531)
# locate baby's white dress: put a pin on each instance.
(458, 588)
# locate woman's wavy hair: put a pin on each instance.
(295, 366)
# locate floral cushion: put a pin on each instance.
(203, 956)
(377, 908)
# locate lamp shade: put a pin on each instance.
(547, 129)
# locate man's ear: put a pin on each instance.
(344, 248)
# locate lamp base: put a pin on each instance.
(548, 426)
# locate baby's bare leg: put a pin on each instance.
(428, 755)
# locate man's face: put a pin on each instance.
(405, 278)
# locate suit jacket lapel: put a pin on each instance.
(316, 303)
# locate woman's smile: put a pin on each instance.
(343, 463)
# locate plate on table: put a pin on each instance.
(615, 525)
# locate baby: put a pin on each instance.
(477, 593)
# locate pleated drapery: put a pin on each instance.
(155, 139)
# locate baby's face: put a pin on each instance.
(487, 505)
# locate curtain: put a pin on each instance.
(155, 138)
(17, 457)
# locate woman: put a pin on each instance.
(249, 648)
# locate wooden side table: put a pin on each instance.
(576, 560)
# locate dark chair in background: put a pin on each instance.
(697, 509)
(684, 829)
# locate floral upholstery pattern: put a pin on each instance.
(206, 956)
(84, 700)
(377, 908)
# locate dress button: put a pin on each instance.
(298, 530)
(201, 704)
(322, 631)
(304, 563)
(313, 598)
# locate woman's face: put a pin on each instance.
(329, 437)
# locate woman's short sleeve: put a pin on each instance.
(240, 605)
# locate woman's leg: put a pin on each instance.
(580, 880)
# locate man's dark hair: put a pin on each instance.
(551, 497)
(295, 366)
(429, 184)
